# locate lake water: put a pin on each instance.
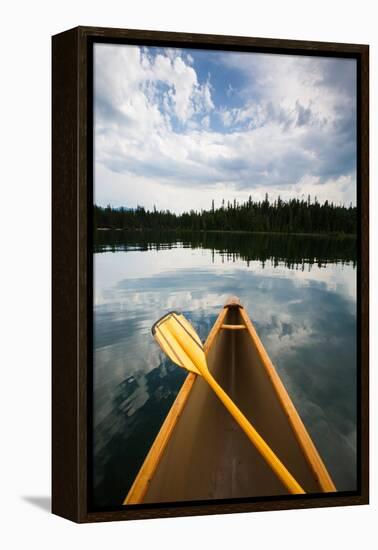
(300, 292)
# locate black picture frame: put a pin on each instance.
(72, 191)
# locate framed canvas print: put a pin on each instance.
(210, 274)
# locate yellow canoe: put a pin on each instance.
(200, 453)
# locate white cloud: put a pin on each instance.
(292, 135)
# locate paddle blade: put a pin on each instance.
(180, 342)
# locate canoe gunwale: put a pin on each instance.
(307, 445)
(140, 485)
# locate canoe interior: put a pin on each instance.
(208, 456)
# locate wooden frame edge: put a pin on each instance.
(364, 282)
(64, 269)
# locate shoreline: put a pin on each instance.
(230, 231)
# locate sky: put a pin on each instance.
(178, 128)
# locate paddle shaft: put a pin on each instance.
(263, 448)
(181, 345)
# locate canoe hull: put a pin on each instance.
(206, 455)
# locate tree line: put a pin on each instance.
(291, 216)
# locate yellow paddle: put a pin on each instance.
(178, 339)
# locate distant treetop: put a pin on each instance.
(291, 216)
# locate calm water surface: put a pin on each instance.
(300, 293)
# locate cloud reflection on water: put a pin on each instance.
(305, 318)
